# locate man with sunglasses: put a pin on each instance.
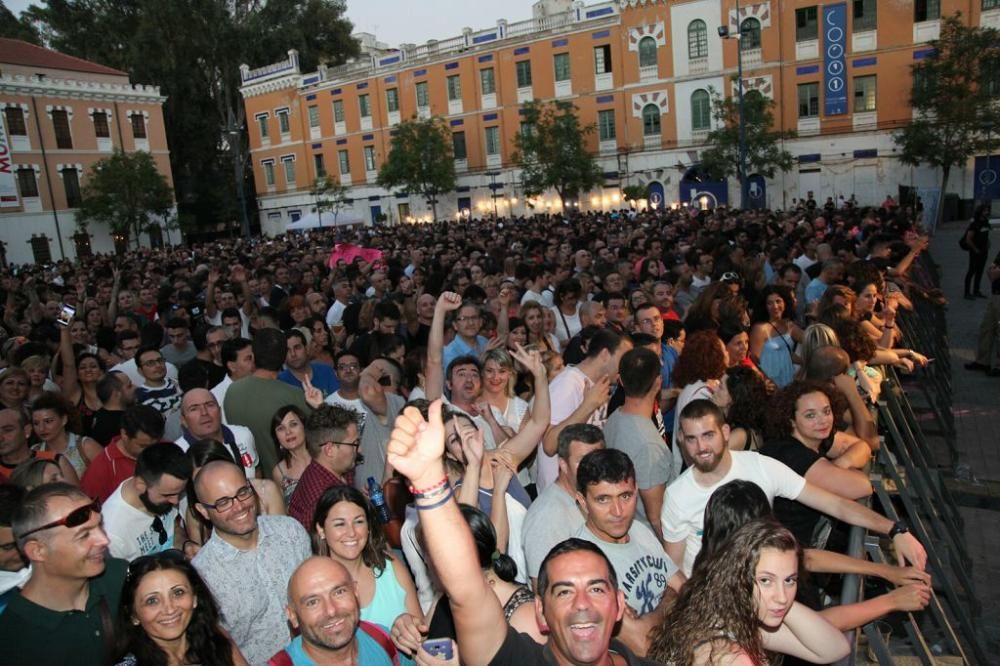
(65, 613)
(333, 439)
(248, 560)
(141, 514)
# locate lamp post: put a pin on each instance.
(493, 188)
(234, 136)
(741, 150)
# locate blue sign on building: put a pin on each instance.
(834, 59)
(987, 184)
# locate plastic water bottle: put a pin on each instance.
(378, 501)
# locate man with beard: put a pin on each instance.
(140, 515)
(248, 560)
(323, 606)
(704, 437)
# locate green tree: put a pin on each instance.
(12, 27)
(330, 195)
(764, 154)
(635, 192)
(955, 93)
(551, 153)
(193, 49)
(420, 160)
(124, 191)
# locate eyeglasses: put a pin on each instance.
(225, 503)
(356, 443)
(475, 318)
(74, 518)
(153, 361)
(348, 366)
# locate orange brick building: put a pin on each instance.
(642, 71)
(61, 115)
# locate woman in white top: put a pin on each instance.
(501, 409)
(567, 310)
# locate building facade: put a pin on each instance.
(644, 72)
(61, 115)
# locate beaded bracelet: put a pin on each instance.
(418, 492)
(432, 494)
(441, 502)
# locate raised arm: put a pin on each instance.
(434, 377)
(415, 449)
(70, 381)
(211, 307)
(239, 276)
(371, 392)
(522, 444)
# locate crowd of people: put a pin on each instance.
(603, 438)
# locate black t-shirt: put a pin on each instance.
(797, 517)
(521, 650)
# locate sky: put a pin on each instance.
(414, 21)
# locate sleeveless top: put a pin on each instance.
(776, 359)
(389, 600)
(288, 485)
(521, 596)
(73, 453)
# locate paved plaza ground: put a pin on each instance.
(977, 419)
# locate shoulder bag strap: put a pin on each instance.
(382, 639)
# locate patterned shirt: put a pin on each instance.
(251, 586)
(314, 481)
(167, 401)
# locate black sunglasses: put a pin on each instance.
(74, 518)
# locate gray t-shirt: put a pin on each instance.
(252, 586)
(374, 439)
(642, 566)
(553, 517)
(637, 437)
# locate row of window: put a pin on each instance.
(16, 125)
(27, 184)
(864, 96)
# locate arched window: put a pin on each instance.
(647, 52)
(651, 120)
(697, 39)
(750, 34)
(701, 110)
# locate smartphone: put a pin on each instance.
(65, 315)
(440, 648)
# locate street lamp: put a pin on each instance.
(493, 187)
(741, 150)
(234, 136)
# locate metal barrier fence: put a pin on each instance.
(908, 484)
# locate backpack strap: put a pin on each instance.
(380, 637)
(280, 659)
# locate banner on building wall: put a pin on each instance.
(8, 180)
(986, 186)
(835, 59)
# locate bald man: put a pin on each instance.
(248, 559)
(201, 418)
(323, 606)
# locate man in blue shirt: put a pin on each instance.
(323, 605)
(298, 367)
(467, 324)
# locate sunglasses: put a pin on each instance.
(74, 518)
(731, 277)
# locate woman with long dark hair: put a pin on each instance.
(168, 616)
(739, 605)
(774, 335)
(741, 394)
(346, 528)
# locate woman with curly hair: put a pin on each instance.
(346, 528)
(533, 314)
(168, 616)
(697, 372)
(774, 335)
(801, 434)
(741, 393)
(739, 606)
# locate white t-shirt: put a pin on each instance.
(129, 368)
(683, 514)
(219, 391)
(355, 404)
(642, 566)
(336, 313)
(244, 322)
(130, 530)
(566, 325)
(245, 444)
(566, 393)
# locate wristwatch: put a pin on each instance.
(898, 527)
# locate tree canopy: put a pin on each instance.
(193, 49)
(124, 191)
(550, 150)
(764, 154)
(420, 159)
(954, 97)
(12, 27)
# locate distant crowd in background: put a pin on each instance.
(632, 436)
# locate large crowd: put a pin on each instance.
(603, 438)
